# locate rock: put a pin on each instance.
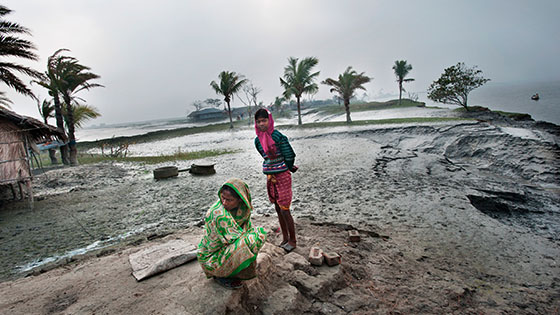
(327, 281)
(281, 301)
(296, 260)
(351, 300)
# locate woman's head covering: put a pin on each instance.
(241, 189)
(265, 137)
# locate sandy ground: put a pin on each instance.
(455, 218)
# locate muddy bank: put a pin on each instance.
(474, 203)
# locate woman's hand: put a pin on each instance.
(294, 169)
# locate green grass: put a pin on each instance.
(512, 115)
(360, 107)
(380, 122)
(178, 156)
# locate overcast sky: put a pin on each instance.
(156, 57)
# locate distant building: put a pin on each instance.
(208, 114)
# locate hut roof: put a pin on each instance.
(39, 131)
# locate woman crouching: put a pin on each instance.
(229, 248)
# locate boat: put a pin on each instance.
(535, 97)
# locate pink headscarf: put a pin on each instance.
(265, 137)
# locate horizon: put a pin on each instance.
(154, 73)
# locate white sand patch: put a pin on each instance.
(520, 133)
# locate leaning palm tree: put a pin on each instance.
(74, 77)
(12, 46)
(347, 83)
(401, 69)
(230, 84)
(51, 81)
(46, 110)
(298, 80)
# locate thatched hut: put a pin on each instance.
(19, 134)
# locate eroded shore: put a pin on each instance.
(476, 203)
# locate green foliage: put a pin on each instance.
(298, 80)
(178, 156)
(13, 46)
(346, 85)
(402, 69)
(359, 107)
(382, 121)
(455, 84)
(230, 84)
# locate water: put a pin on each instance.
(509, 97)
(516, 97)
(131, 129)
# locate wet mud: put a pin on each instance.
(479, 200)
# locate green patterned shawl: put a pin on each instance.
(230, 243)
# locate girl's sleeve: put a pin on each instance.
(287, 152)
(259, 146)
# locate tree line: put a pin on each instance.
(65, 77)
(298, 79)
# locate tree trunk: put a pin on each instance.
(229, 113)
(71, 130)
(347, 107)
(298, 111)
(465, 103)
(52, 155)
(400, 92)
(60, 124)
(52, 152)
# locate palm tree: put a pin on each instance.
(83, 113)
(298, 80)
(46, 110)
(12, 46)
(277, 104)
(51, 81)
(347, 83)
(74, 77)
(402, 69)
(230, 84)
(4, 101)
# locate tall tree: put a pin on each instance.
(298, 80)
(12, 46)
(230, 84)
(401, 69)
(46, 109)
(74, 77)
(346, 85)
(52, 81)
(455, 84)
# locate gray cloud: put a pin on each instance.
(156, 58)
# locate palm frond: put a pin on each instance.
(4, 100)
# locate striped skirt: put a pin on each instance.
(279, 187)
